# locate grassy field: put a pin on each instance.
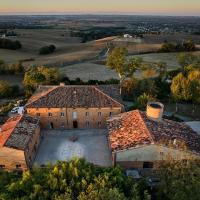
(168, 58)
(87, 71)
(68, 49)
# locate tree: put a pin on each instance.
(186, 88)
(129, 87)
(162, 69)
(194, 79)
(75, 179)
(143, 99)
(4, 89)
(39, 76)
(180, 180)
(47, 49)
(180, 88)
(124, 67)
(186, 59)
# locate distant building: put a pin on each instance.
(143, 139)
(68, 107)
(19, 141)
(127, 36)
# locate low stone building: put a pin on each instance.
(19, 141)
(143, 139)
(68, 106)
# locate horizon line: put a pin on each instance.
(97, 13)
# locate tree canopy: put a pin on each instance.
(72, 180)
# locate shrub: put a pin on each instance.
(9, 44)
(47, 50)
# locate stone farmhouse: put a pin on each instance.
(136, 139)
(19, 141)
(143, 139)
(68, 107)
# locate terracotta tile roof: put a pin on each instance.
(132, 129)
(7, 129)
(74, 96)
(17, 131)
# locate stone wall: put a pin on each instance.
(31, 151)
(11, 157)
(93, 118)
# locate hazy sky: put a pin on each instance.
(163, 7)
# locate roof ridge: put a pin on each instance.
(107, 95)
(149, 133)
(49, 91)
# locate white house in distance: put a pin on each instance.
(128, 36)
(143, 139)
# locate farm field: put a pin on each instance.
(89, 71)
(68, 49)
(168, 58)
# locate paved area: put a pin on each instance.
(91, 144)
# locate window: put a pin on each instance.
(148, 165)
(38, 114)
(87, 114)
(50, 114)
(62, 114)
(99, 114)
(2, 166)
(18, 166)
(74, 115)
(110, 114)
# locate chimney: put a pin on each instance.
(62, 84)
(155, 111)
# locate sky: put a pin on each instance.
(147, 7)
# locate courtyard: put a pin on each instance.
(64, 145)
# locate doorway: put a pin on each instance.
(75, 124)
(51, 125)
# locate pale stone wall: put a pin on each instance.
(32, 148)
(12, 157)
(134, 158)
(66, 122)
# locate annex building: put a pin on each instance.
(68, 107)
(19, 141)
(143, 139)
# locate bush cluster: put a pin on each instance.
(47, 50)
(9, 44)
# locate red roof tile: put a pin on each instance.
(7, 129)
(134, 128)
(75, 96)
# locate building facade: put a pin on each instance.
(19, 142)
(144, 139)
(68, 107)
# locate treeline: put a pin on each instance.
(11, 68)
(96, 33)
(156, 82)
(78, 81)
(177, 47)
(9, 44)
(7, 90)
(79, 180)
(47, 50)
